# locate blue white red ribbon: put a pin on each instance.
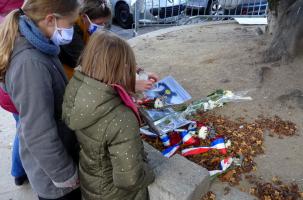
(224, 164)
(220, 145)
(216, 144)
(165, 140)
(187, 138)
(170, 151)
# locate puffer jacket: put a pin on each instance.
(112, 165)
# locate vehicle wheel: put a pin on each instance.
(123, 16)
(216, 8)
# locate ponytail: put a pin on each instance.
(9, 30)
(36, 10)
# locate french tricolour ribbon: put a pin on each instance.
(170, 151)
(165, 140)
(224, 164)
(187, 138)
(216, 144)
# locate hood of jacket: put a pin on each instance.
(86, 101)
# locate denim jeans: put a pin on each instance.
(17, 168)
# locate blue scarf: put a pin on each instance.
(33, 34)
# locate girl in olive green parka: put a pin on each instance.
(97, 106)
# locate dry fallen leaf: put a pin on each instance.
(247, 141)
(252, 191)
(228, 175)
(267, 198)
(226, 190)
(209, 196)
(274, 179)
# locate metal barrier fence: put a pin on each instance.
(181, 12)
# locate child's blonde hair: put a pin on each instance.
(109, 59)
(36, 10)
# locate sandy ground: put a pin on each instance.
(8, 190)
(229, 56)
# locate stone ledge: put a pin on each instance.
(176, 178)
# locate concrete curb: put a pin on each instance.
(133, 41)
(176, 178)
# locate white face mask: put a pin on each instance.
(62, 36)
(93, 27)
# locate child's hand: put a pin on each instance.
(142, 85)
(153, 77)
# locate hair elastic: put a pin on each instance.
(21, 11)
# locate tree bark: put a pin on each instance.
(286, 27)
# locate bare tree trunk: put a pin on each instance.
(286, 27)
(272, 22)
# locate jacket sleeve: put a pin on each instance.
(30, 86)
(130, 172)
